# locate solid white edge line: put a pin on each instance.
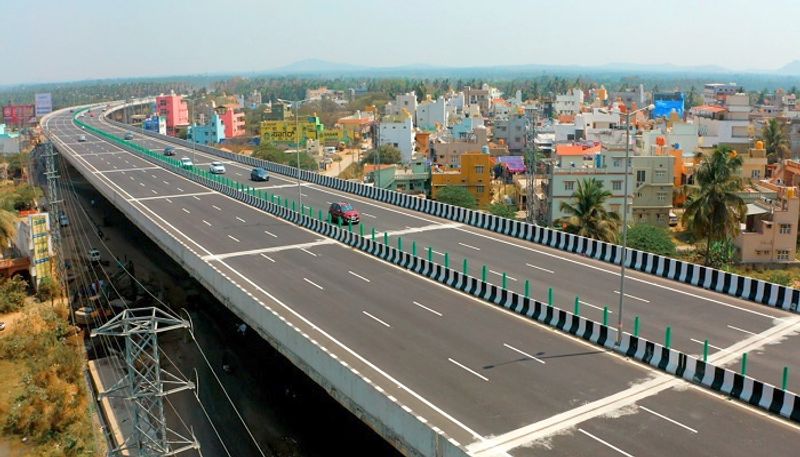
(606, 443)
(358, 276)
(733, 327)
(667, 418)
(524, 353)
(376, 319)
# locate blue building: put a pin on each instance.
(667, 102)
(211, 133)
(156, 124)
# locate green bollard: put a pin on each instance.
(483, 273)
(319, 215)
(744, 364)
(668, 337)
(373, 233)
(302, 208)
(577, 306)
(636, 326)
(505, 281)
(400, 244)
(527, 289)
(605, 316)
(339, 222)
(785, 381)
(414, 248)
(705, 350)
(386, 238)
(361, 230)
(549, 296)
(430, 254)
(293, 206)
(465, 267)
(447, 260)
(350, 226)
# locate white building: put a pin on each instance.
(402, 102)
(716, 93)
(727, 125)
(455, 105)
(569, 103)
(398, 131)
(431, 113)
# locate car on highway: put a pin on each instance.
(93, 256)
(169, 151)
(342, 212)
(259, 174)
(216, 168)
(81, 138)
(129, 136)
(91, 114)
(186, 162)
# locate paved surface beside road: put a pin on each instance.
(472, 370)
(693, 314)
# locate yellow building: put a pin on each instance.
(475, 175)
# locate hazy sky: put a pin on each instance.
(57, 40)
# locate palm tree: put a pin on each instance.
(775, 141)
(588, 216)
(714, 210)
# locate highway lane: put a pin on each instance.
(661, 426)
(429, 376)
(693, 314)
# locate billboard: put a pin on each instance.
(19, 115)
(666, 103)
(44, 104)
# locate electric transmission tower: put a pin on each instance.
(146, 382)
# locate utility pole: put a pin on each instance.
(530, 146)
(51, 173)
(146, 383)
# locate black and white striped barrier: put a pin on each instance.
(755, 290)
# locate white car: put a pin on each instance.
(93, 256)
(217, 168)
(186, 162)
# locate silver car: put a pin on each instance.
(217, 168)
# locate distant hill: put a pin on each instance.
(791, 68)
(317, 66)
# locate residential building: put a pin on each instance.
(254, 100)
(274, 112)
(175, 110)
(569, 103)
(512, 130)
(754, 163)
(33, 241)
(398, 131)
(447, 152)
(652, 187)
(475, 175)
(402, 103)
(479, 97)
(455, 105)
(210, 133)
(465, 128)
(355, 128)
(630, 97)
(432, 115)
(412, 178)
(717, 93)
(769, 234)
(727, 125)
(500, 108)
(233, 120)
(422, 144)
(318, 93)
(667, 103)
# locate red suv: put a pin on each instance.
(344, 213)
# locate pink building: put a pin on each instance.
(234, 122)
(176, 111)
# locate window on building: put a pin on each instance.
(617, 163)
(616, 185)
(661, 173)
(755, 174)
(786, 229)
(479, 189)
(783, 254)
(661, 196)
(479, 169)
(640, 177)
(569, 185)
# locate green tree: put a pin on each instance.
(25, 196)
(503, 210)
(714, 210)
(653, 239)
(458, 196)
(587, 215)
(48, 289)
(386, 154)
(775, 141)
(12, 294)
(271, 153)
(7, 227)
